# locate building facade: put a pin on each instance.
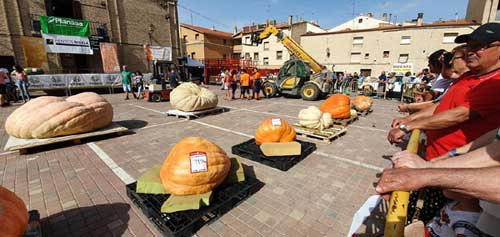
(375, 50)
(271, 54)
(366, 21)
(202, 43)
(130, 24)
(483, 11)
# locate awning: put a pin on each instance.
(189, 62)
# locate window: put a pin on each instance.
(247, 55)
(247, 40)
(265, 61)
(192, 55)
(196, 36)
(367, 55)
(497, 17)
(360, 20)
(185, 37)
(279, 55)
(357, 40)
(266, 46)
(449, 38)
(224, 41)
(386, 54)
(224, 56)
(405, 39)
(256, 56)
(403, 58)
(355, 57)
(327, 52)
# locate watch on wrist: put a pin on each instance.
(453, 152)
(404, 128)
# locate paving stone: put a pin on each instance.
(320, 190)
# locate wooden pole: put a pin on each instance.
(398, 206)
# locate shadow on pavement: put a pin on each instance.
(133, 123)
(98, 220)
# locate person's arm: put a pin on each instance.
(416, 107)
(487, 156)
(480, 183)
(442, 120)
(422, 114)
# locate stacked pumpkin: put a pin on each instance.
(194, 166)
(50, 116)
(274, 130)
(190, 97)
(13, 214)
(362, 103)
(338, 106)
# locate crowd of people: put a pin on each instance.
(13, 87)
(460, 168)
(249, 85)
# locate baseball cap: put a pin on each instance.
(486, 34)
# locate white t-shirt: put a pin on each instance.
(441, 84)
(489, 221)
(450, 223)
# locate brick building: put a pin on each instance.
(129, 23)
(201, 43)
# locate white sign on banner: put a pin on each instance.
(66, 44)
(161, 53)
(63, 81)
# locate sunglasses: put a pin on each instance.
(479, 47)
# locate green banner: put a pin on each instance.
(64, 26)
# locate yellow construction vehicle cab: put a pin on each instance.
(303, 76)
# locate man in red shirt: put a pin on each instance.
(464, 116)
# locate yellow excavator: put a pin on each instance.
(302, 76)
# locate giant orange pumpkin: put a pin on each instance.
(362, 103)
(194, 166)
(13, 214)
(274, 130)
(338, 105)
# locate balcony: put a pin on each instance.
(96, 28)
(237, 48)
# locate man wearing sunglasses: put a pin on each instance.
(471, 111)
(460, 120)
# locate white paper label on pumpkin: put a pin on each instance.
(198, 161)
(276, 122)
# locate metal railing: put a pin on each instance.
(96, 28)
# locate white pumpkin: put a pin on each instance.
(312, 117)
(190, 97)
(354, 113)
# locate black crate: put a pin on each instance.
(186, 223)
(250, 150)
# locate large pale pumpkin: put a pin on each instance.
(194, 166)
(312, 117)
(191, 97)
(362, 103)
(274, 130)
(50, 116)
(338, 105)
(13, 214)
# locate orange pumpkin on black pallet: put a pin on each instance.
(274, 130)
(194, 166)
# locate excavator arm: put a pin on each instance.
(292, 46)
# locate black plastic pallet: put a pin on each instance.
(186, 223)
(250, 150)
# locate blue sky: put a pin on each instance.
(225, 14)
